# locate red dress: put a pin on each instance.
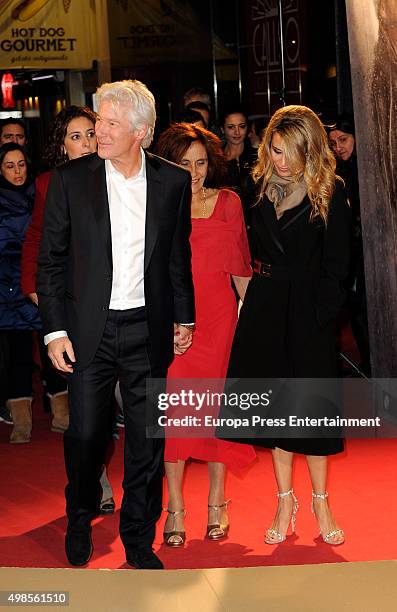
(219, 248)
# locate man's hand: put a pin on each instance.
(56, 348)
(183, 338)
(34, 298)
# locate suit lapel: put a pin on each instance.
(100, 204)
(153, 205)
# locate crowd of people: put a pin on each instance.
(119, 265)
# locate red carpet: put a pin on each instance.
(362, 491)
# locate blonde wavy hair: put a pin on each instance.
(307, 154)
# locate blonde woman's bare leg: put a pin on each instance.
(282, 465)
(318, 469)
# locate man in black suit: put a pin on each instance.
(115, 293)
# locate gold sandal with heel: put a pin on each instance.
(218, 530)
(174, 538)
(275, 537)
(334, 532)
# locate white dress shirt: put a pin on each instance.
(127, 209)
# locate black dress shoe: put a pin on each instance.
(144, 559)
(107, 507)
(78, 545)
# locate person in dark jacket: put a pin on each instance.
(139, 206)
(300, 248)
(241, 157)
(18, 316)
(72, 135)
(343, 143)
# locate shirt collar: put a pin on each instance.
(111, 170)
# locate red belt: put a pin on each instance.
(262, 268)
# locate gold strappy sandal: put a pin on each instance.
(275, 537)
(174, 538)
(331, 534)
(218, 530)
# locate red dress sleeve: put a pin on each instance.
(31, 244)
(238, 258)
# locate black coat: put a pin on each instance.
(16, 203)
(286, 324)
(75, 262)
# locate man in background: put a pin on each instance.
(12, 130)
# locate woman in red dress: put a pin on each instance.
(220, 254)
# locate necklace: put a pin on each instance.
(203, 202)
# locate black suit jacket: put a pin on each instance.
(75, 262)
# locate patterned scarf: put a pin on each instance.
(285, 193)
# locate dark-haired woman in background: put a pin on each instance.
(241, 157)
(72, 135)
(343, 143)
(18, 316)
(220, 255)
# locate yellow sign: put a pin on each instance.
(47, 34)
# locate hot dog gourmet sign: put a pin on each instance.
(47, 34)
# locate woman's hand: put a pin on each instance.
(34, 298)
(183, 338)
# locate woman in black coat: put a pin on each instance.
(343, 142)
(240, 155)
(18, 316)
(300, 247)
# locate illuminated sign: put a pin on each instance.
(7, 83)
(47, 34)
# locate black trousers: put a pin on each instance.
(123, 354)
(16, 364)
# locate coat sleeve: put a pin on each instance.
(336, 257)
(53, 256)
(180, 260)
(31, 243)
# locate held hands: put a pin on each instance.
(183, 338)
(56, 349)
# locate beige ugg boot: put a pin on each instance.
(60, 411)
(21, 410)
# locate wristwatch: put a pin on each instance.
(191, 326)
